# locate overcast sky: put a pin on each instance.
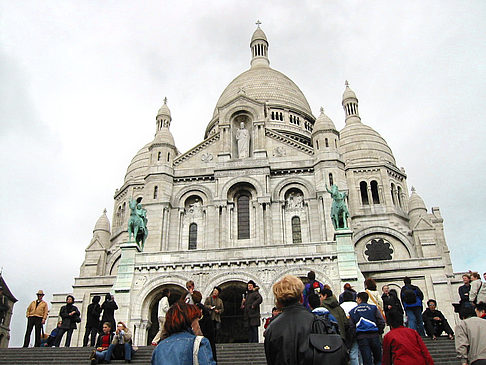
(81, 83)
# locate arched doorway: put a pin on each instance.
(176, 292)
(232, 325)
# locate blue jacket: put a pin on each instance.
(367, 319)
(418, 293)
(177, 350)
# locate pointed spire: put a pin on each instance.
(323, 122)
(259, 48)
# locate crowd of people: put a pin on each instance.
(309, 324)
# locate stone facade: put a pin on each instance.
(8, 300)
(230, 210)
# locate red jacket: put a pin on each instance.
(403, 346)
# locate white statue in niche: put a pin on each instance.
(243, 141)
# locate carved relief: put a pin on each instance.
(207, 157)
(295, 201)
(140, 281)
(279, 151)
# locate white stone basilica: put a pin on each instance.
(250, 202)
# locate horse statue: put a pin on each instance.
(339, 211)
(137, 223)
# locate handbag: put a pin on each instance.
(195, 349)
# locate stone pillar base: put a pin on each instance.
(349, 271)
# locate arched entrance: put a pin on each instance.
(176, 292)
(232, 326)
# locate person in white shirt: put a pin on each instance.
(163, 308)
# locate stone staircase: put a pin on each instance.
(442, 351)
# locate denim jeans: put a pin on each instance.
(370, 348)
(415, 322)
(354, 355)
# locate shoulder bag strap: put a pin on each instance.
(195, 350)
(376, 303)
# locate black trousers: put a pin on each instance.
(90, 331)
(253, 334)
(435, 328)
(68, 337)
(31, 323)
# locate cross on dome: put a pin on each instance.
(258, 22)
(165, 100)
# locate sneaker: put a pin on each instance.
(154, 343)
(92, 357)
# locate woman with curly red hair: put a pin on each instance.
(181, 345)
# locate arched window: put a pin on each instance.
(281, 116)
(296, 232)
(168, 156)
(156, 192)
(243, 206)
(335, 143)
(326, 141)
(374, 192)
(159, 155)
(331, 180)
(363, 187)
(192, 236)
(273, 117)
(393, 193)
(399, 193)
(317, 144)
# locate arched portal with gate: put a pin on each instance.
(176, 292)
(232, 324)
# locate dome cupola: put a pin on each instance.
(259, 48)
(103, 224)
(323, 123)
(359, 143)
(350, 105)
(416, 203)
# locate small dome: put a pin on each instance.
(323, 122)
(360, 143)
(415, 202)
(103, 224)
(258, 35)
(164, 109)
(138, 167)
(348, 93)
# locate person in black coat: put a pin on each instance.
(109, 307)
(390, 300)
(92, 321)
(70, 316)
(465, 304)
(206, 323)
(435, 322)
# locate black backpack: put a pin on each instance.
(409, 296)
(326, 344)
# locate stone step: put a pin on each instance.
(442, 351)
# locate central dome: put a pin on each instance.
(265, 84)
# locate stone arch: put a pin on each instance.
(185, 192)
(295, 182)
(141, 308)
(242, 179)
(358, 237)
(302, 272)
(242, 276)
(237, 108)
(114, 258)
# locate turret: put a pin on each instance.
(95, 257)
(325, 137)
(417, 208)
(162, 149)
